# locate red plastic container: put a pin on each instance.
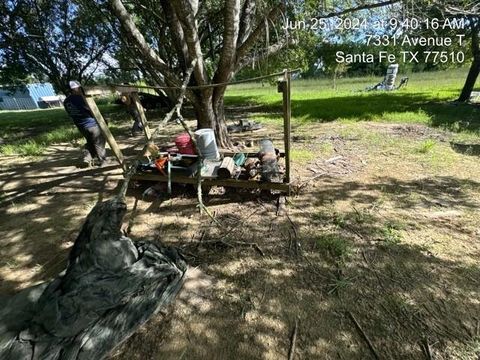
(184, 144)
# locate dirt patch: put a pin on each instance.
(339, 165)
(392, 240)
(413, 131)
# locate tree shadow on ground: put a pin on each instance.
(404, 297)
(318, 268)
(43, 202)
(317, 265)
(42, 207)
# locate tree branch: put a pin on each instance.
(93, 58)
(185, 14)
(358, 8)
(177, 34)
(137, 38)
(269, 51)
(246, 21)
(245, 47)
(179, 103)
(471, 9)
(230, 35)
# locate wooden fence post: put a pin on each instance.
(106, 131)
(287, 113)
(143, 118)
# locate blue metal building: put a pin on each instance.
(27, 97)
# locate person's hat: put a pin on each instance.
(74, 84)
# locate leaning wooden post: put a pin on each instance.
(143, 118)
(284, 87)
(106, 131)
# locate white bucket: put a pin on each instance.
(206, 144)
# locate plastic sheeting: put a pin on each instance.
(111, 286)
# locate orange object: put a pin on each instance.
(161, 163)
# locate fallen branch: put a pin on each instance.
(425, 345)
(229, 231)
(256, 247)
(364, 336)
(316, 176)
(313, 269)
(291, 352)
(127, 176)
(314, 170)
(294, 227)
(333, 159)
(204, 232)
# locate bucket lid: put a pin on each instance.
(203, 131)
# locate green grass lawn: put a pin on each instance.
(30, 132)
(426, 100)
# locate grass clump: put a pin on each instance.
(426, 146)
(390, 233)
(28, 148)
(302, 156)
(321, 216)
(334, 246)
(63, 134)
(37, 145)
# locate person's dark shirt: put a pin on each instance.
(78, 110)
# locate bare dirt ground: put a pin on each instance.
(378, 244)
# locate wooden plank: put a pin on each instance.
(226, 152)
(98, 90)
(143, 118)
(106, 131)
(246, 184)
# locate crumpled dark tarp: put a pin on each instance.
(111, 286)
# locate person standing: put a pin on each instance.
(126, 100)
(82, 117)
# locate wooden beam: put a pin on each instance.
(287, 114)
(106, 131)
(226, 152)
(246, 184)
(99, 90)
(143, 118)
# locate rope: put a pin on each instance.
(206, 86)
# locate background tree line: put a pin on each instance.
(156, 41)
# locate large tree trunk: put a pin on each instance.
(470, 82)
(238, 38)
(210, 113)
(475, 68)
